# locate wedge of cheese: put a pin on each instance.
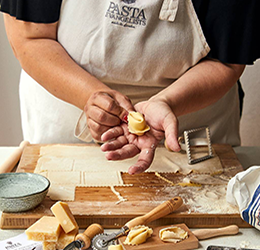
(45, 229)
(65, 217)
(48, 245)
(63, 241)
(66, 239)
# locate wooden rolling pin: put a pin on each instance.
(202, 234)
(13, 159)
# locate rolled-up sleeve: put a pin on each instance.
(231, 29)
(38, 11)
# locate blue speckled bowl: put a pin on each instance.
(20, 192)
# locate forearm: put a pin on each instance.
(53, 68)
(201, 86)
(43, 58)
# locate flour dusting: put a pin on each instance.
(209, 199)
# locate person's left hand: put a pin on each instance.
(123, 144)
(162, 120)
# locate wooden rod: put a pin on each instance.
(13, 159)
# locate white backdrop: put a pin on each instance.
(10, 127)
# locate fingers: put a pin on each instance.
(118, 143)
(127, 151)
(125, 104)
(144, 161)
(108, 108)
(171, 132)
(112, 133)
(105, 110)
(96, 129)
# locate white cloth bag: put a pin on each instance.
(244, 191)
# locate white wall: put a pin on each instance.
(10, 128)
(250, 122)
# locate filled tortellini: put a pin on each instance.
(137, 124)
(115, 247)
(138, 235)
(173, 234)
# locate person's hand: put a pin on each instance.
(121, 144)
(161, 119)
(106, 109)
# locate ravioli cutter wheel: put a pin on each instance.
(83, 240)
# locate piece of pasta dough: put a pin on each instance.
(68, 167)
(207, 180)
(137, 124)
(138, 235)
(173, 234)
(61, 192)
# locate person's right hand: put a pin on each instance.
(104, 110)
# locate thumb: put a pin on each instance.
(126, 106)
(170, 127)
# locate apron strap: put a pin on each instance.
(169, 10)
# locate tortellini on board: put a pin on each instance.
(138, 235)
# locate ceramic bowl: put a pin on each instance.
(20, 192)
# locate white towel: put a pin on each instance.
(244, 191)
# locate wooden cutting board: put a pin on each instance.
(98, 204)
(155, 243)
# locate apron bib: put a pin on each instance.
(137, 47)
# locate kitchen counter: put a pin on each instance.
(247, 237)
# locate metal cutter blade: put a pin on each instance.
(102, 241)
(186, 143)
(75, 245)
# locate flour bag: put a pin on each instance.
(244, 191)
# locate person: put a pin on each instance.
(177, 62)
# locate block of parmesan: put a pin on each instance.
(66, 239)
(63, 241)
(65, 217)
(45, 229)
(48, 245)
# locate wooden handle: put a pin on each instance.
(202, 234)
(13, 159)
(162, 210)
(88, 234)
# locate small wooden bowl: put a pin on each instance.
(20, 192)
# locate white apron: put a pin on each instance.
(137, 47)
